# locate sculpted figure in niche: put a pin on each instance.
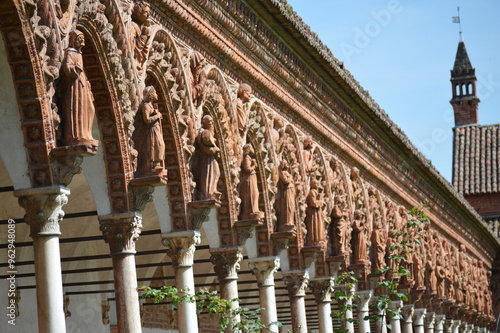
(244, 95)
(340, 225)
(357, 189)
(308, 156)
(140, 32)
(285, 200)
(418, 272)
(152, 147)
(198, 77)
(77, 101)
(247, 188)
(379, 232)
(314, 221)
(359, 238)
(336, 173)
(441, 273)
(205, 167)
(277, 132)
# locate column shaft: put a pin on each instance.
(363, 310)
(49, 291)
(395, 319)
(187, 318)
(127, 298)
(296, 283)
(324, 317)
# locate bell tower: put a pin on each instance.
(463, 82)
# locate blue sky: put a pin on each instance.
(402, 52)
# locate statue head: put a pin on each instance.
(248, 149)
(196, 60)
(149, 94)
(244, 92)
(140, 13)
(308, 142)
(76, 39)
(354, 173)
(284, 165)
(207, 122)
(278, 122)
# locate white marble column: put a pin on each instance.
(264, 268)
(363, 302)
(226, 263)
(407, 314)
(381, 321)
(439, 323)
(322, 289)
(430, 322)
(455, 326)
(448, 326)
(418, 320)
(348, 324)
(121, 231)
(396, 306)
(296, 283)
(181, 246)
(43, 208)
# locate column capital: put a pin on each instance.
(296, 282)
(264, 268)
(419, 316)
(439, 322)
(363, 299)
(430, 320)
(120, 231)
(226, 262)
(407, 312)
(181, 246)
(322, 289)
(43, 206)
(396, 307)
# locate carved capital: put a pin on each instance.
(43, 206)
(419, 316)
(396, 307)
(439, 322)
(363, 299)
(121, 231)
(407, 313)
(198, 212)
(322, 289)
(181, 246)
(430, 321)
(296, 282)
(226, 262)
(264, 268)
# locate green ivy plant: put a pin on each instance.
(249, 320)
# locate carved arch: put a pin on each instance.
(258, 135)
(114, 116)
(165, 72)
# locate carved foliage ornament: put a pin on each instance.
(296, 282)
(226, 263)
(181, 247)
(121, 231)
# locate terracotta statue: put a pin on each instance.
(336, 173)
(379, 232)
(358, 238)
(148, 135)
(247, 188)
(198, 77)
(357, 189)
(277, 132)
(418, 272)
(308, 156)
(139, 34)
(285, 200)
(314, 221)
(441, 276)
(340, 226)
(77, 101)
(244, 94)
(205, 167)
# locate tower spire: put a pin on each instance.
(463, 82)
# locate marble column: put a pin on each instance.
(439, 323)
(395, 307)
(264, 268)
(322, 290)
(430, 322)
(296, 282)
(448, 326)
(418, 320)
(226, 263)
(455, 326)
(407, 316)
(44, 212)
(181, 246)
(348, 324)
(363, 302)
(381, 321)
(121, 231)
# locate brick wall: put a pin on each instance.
(485, 204)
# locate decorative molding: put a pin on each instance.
(181, 246)
(226, 262)
(264, 268)
(121, 231)
(43, 206)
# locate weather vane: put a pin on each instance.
(456, 19)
